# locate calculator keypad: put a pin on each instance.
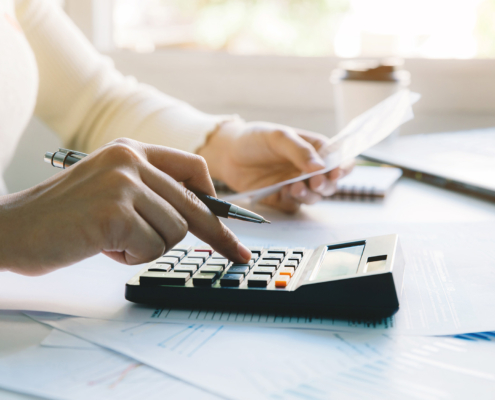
(202, 267)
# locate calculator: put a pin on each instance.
(360, 278)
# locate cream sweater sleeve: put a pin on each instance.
(88, 102)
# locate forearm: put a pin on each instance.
(88, 102)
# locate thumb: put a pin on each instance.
(289, 145)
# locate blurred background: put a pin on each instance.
(458, 29)
(271, 59)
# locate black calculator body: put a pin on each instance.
(360, 278)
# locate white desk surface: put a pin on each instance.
(409, 201)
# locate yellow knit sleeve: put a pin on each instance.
(88, 102)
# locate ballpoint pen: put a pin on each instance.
(65, 158)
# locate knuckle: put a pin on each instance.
(282, 134)
(120, 182)
(122, 140)
(307, 151)
(121, 153)
(200, 164)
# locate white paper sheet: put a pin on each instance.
(94, 287)
(245, 363)
(360, 134)
(82, 374)
(61, 339)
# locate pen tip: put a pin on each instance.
(266, 221)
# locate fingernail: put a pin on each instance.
(303, 192)
(243, 251)
(316, 163)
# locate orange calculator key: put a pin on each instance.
(287, 271)
(282, 280)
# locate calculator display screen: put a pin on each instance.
(338, 263)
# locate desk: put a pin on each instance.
(410, 201)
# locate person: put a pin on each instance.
(131, 198)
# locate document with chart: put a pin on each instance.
(267, 363)
(90, 372)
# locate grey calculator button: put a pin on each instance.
(238, 270)
(259, 280)
(223, 263)
(291, 263)
(268, 263)
(249, 264)
(231, 280)
(182, 248)
(197, 264)
(161, 268)
(282, 250)
(175, 254)
(203, 255)
(193, 260)
(275, 256)
(163, 278)
(297, 257)
(218, 255)
(186, 268)
(168, 260)
(215, 269)
(264, 270)
(204, 279)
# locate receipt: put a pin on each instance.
(360, 134)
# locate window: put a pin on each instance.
(459, 29)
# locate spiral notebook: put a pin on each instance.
(368, 181)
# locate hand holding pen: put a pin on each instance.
(64, 158)
(125, 200)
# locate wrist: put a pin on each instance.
(218, 146)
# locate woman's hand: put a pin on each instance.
(124, 200)
(253, 155)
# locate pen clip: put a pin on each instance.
(59, 158)
(72, 153)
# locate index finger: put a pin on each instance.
(200, 220)
(184, 167)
